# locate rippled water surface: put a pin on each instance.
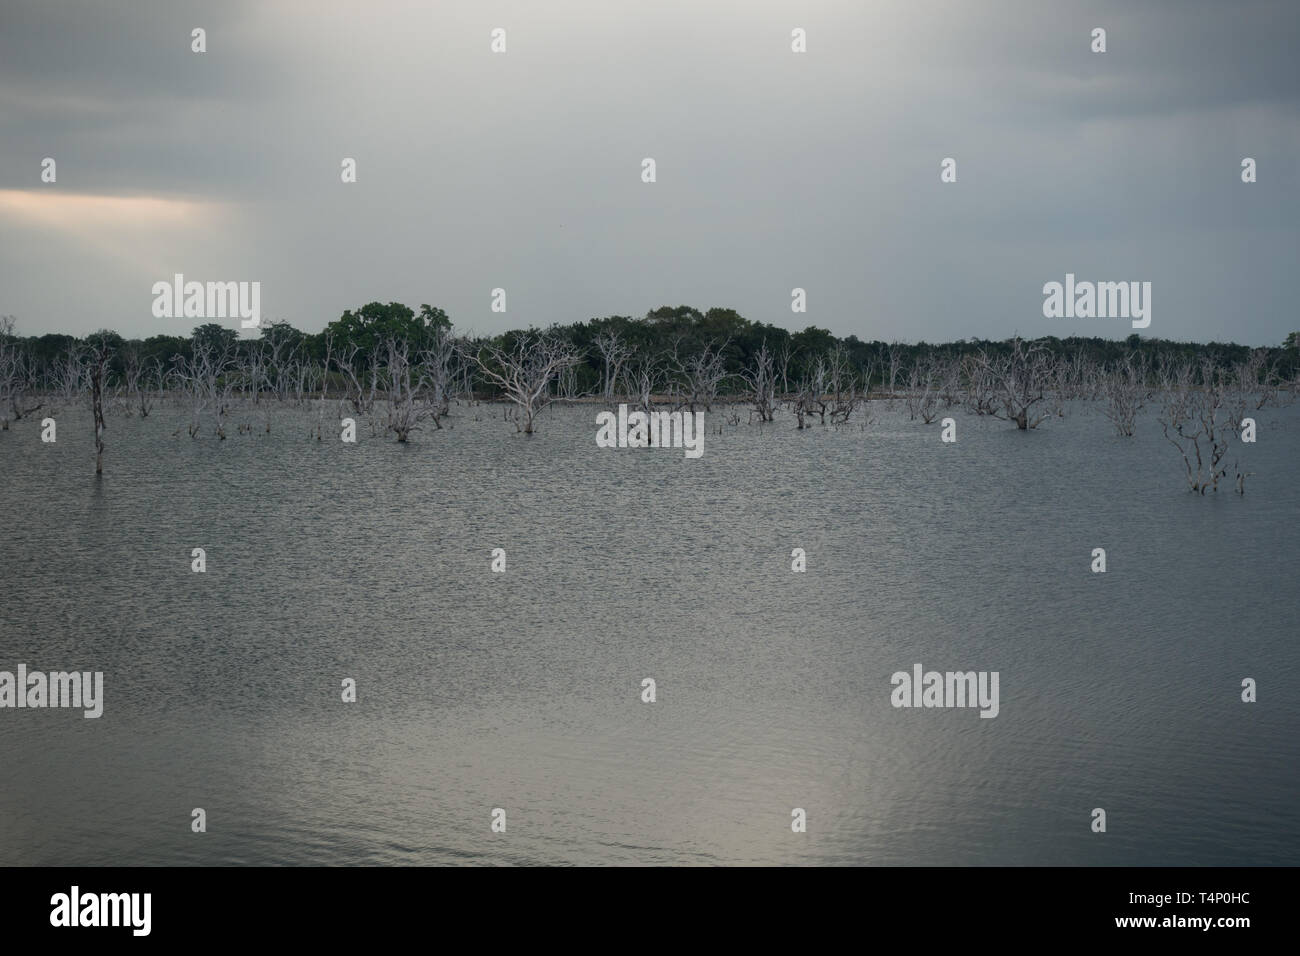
(522, 690)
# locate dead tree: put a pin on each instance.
(948, 376)
(360, 383)
(566, 385)
(701, 375)
(614, 351)
(205, 380)
(1020, 382)
(867, 376)
(254, 369)
(922, 393)
(782, 369)
(138, 378)
(1125, 389)
(153, 386)
(304, 379)
(1198, 419)
(1256, 380)
(525, 371)
(761, 378)
(69, 377)
(281, 360)
(810, 396)
(466, 369)
(16, 377)
(401, 385)
(324, 383)
(1085, 380)
(980, 395)
(643, 375)
(841, 385)
(353, 368)
(804, 401)
(98, 355)
(829, 387)
(894, 367)
(13, 370)
(437, 361)
(1059, 384)
(266, 381)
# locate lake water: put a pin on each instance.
(521, 690)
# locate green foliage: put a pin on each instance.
(664, 333)
(374, 322)
(216, 337)
(281, 334)
(105, 341)
(49, 348)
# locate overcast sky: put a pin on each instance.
(775, 170)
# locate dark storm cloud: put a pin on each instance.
(115, 90)
(775, 170)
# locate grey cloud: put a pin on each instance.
(775, 170)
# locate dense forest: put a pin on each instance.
(666, 337)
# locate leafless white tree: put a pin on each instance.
(1256, 380)
(1060, 385)
(701, 375)
(1198, 419)
(895, 365)
(305, 375)
(981, 396)
(437, 359)
(1084, 378)
(281, 363)
(614, 351)
(828, 387)
(1124, 386)
(17, 376)
(68, 377)
(1020, 382)
(868, 376)
(206, 380)
(644, 374)
(360, 383)
(761, 377)
(254, 371)
(947, 373)
(139, 380)
(842, 395)
(808, 396)
(400, 385)
(324, 372)
(922, 392)
(566, 384)
(98, 355)
(525, 372)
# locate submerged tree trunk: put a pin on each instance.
(97, 370)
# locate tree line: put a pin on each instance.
(402, 369)
(664, 339)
